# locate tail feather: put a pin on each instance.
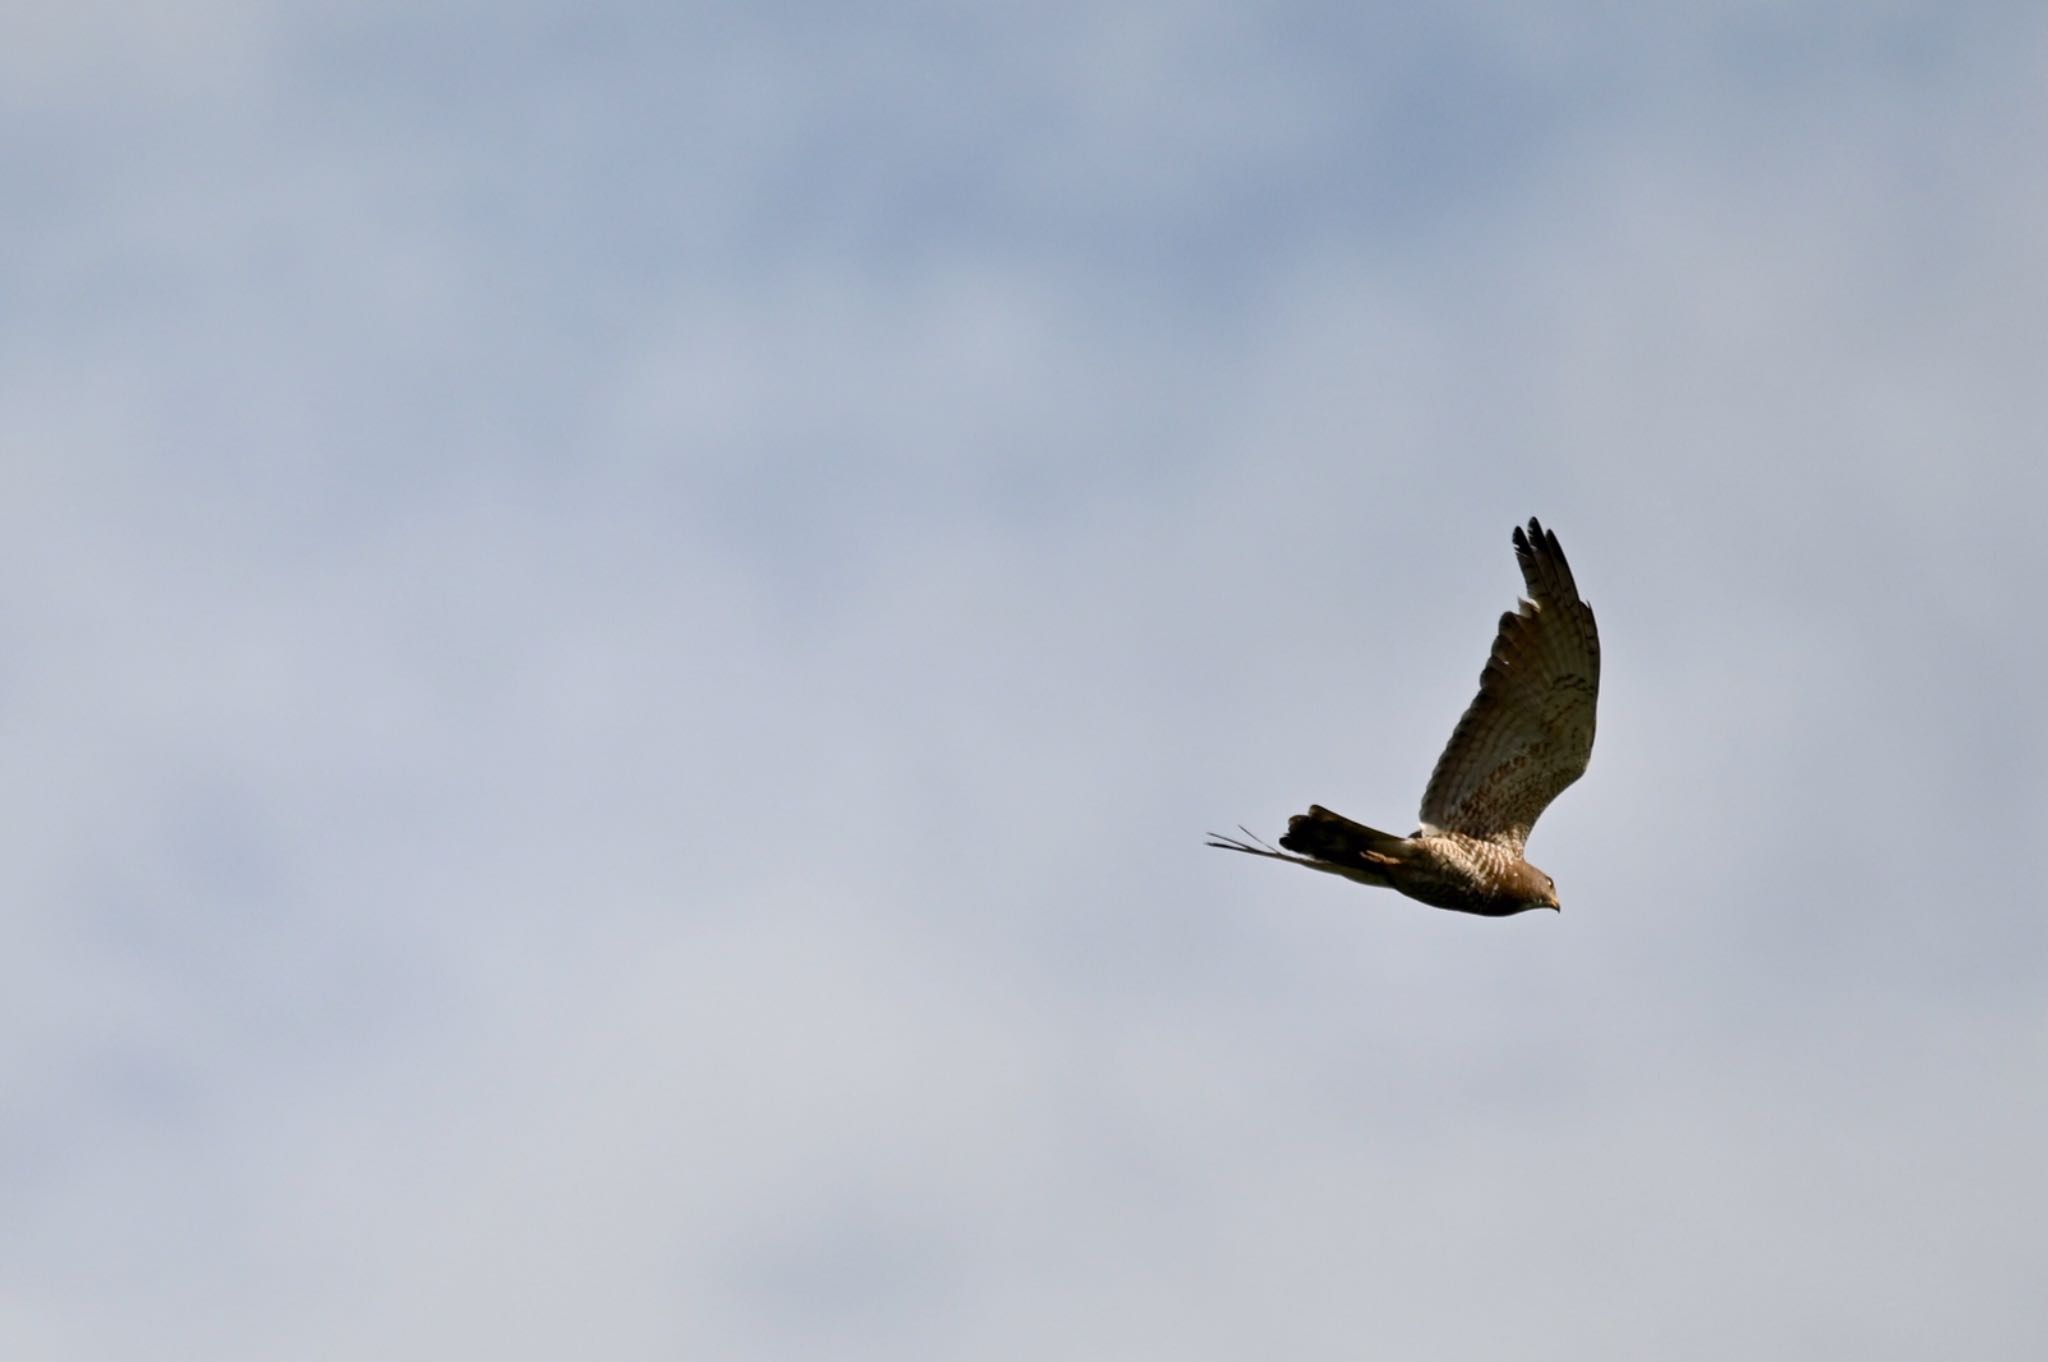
(1332, 837)
(1331, 843)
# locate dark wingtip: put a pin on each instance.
(1539, 546)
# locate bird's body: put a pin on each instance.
(1527, 735)
(1444, 869)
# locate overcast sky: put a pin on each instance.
(619, 626)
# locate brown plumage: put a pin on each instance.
(1525, 737)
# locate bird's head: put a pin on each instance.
(1540, 888)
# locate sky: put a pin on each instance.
(620, 625)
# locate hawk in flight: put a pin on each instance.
(1527, 736)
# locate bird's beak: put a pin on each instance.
(1556, 907)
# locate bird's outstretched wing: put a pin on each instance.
(1529, 732)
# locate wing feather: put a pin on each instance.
(1529, 732)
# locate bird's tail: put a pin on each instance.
(1332, 837)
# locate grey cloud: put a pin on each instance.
(607, 749)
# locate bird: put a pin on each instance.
(1525, 737)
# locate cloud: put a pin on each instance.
(616, 656)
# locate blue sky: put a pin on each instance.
(619, 627)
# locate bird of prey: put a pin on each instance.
(1527, 735)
